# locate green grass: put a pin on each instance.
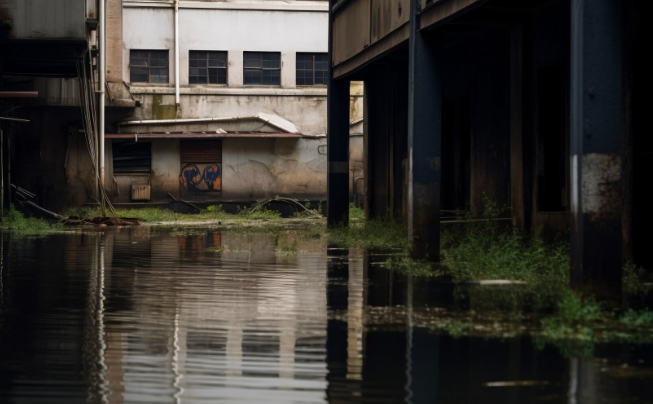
(383, 233)
(153, 214)
(16, 221)
(356, 213)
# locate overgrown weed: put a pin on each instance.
(15, 220)
(384, 233)
(355, 213)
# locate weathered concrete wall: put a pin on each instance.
(234, 31)
(355, 137)
(251, 169)
(269, 167)
(115, 50)
(308, 113)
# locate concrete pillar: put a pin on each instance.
(338, 152)
(596, 146)
(424, 141)
(117, 89)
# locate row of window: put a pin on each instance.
(210, 67)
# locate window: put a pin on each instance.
(148, 66)
(132, 157)
(207, 67)
(262, 68)
(312, 68)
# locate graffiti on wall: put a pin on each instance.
(201, 177)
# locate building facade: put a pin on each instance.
(246, 119)
(207, 101)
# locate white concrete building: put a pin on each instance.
(247, 116)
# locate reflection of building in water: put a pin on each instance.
(217, 326)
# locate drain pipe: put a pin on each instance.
(101, 84)
(177, 53)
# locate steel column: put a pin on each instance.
(596, 146)
(424, 141)
(337, 143)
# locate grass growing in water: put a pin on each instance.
(383, 233)
(153, 214)
(16, 221)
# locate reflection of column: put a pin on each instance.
(287, 352)
(355, 319)
(234, 358)
(178, 358)
(115, 372)
(409, 338)
(583, 381)
(94, 346)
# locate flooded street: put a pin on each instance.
(164, 315)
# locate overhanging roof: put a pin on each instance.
(203, 135)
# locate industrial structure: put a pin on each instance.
(207, 101)
(537, 105)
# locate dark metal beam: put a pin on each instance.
(337, 143)
(424, 140)
(596, 146)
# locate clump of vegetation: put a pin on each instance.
(355, 213)
(643, 318)
(404, 263)
(154, 214)
(16, 221)
(573, 317)
(214, 249)
(285, 249)
(495, 250)
(379, 233)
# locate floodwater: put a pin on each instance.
(155, 315)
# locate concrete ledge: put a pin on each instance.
(314, 6)
(293, 92)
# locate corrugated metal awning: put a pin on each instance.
(202, 135)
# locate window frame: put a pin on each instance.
(313, 68)
(149, 66)
(209, 68)
(262, 68)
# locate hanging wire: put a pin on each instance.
(87, 97)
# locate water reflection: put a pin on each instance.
(183, 316)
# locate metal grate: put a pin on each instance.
(132, 157)
(201, 151)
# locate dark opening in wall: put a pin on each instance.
(132, 157)
(456, 180)
(552, 139)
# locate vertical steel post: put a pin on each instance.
(337, 143)
(596, 146)
(2, 176)
(424, 140)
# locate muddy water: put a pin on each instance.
(151, 315)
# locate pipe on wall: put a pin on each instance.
(102, 83)
(177, 53)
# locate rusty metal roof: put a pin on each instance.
(202, 135)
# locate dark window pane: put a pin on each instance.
(261, 68)
(312, 68)
(138, 74)
(222, 76)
